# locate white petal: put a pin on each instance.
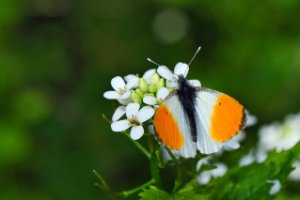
(150, 100)
(195, 83)
(275, 187)
(132, 110)
(128, 77)
(145, 113)
(204, 177)
(250, 119)
(220, 170)
(181, 69)
(162, 93)
(120, 126)
(125, 101)
(147, 75)
(126, 95)
(261, 155)
(136, 132)
(164, 72)
(111, 95)
(295, 174)
(132, 83)
(119, 112)
(203, 161)
(117, 82)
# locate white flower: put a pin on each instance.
(181, 69)
(295, 174)
(275, 187)
(160, 96)
(135, 118)
(122, 90)
(206, 176)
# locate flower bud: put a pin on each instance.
(143, 85)
(160, 83)
(154, 78)
(152, 88)
(171, 90)
(135, 98)
(139, 92)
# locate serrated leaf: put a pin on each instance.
(249, 182)
(153, 193)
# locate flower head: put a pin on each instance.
(135, 119)
(121, 90)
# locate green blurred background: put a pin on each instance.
(57, 57)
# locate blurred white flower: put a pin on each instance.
(121, 90)
(135, 119)
(275, 187)
(280, 136)
(181, 69)
(206, 176)
(160, 96)
(295, 174)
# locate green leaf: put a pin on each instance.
(192, 191)
(250, 182)
(154, 193)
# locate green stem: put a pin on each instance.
(139, 146)
(178, 180)
(137, 189)
(103, 186)
(154, 165)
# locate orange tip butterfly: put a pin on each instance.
(197, 118)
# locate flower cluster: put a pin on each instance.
(279, 136)
(140, 96)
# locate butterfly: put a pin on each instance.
(195, 118)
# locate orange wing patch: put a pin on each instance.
(167, 128)
(227, 118)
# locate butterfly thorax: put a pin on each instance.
(187, 97)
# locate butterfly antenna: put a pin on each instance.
(153, 62)
(197, 51)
